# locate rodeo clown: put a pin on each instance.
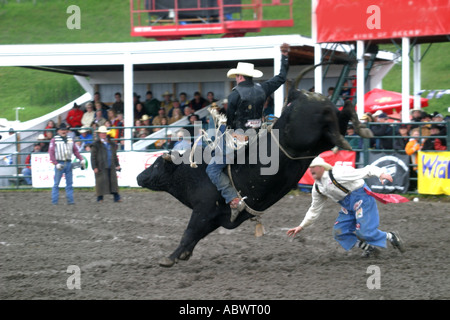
(358, 218)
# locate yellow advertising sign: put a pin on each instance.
(433, 172)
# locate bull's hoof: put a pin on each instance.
(185, 255)
(166, 262)
(365, 133)
(343, 144)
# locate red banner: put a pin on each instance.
(350, 20)
(342, 158)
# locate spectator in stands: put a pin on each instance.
(159, 117)
(184, 102)
(74, 116)
(182, 143)
(353, 139)
(112, 117)
(72, 133)
(137, 125)
(105, 164)
(146, 121)
(164, 122)
(27, 170)
(49, 134)
(416, 115)
(170, 143)
(225, 104)
(383, 130)
(112, 133)
(403, 133)
(85, 137)
(188, 111)
(136, 99)
(94, 128)
(99, 120)
(98, 107)
(79, 145)
(61, 150)
(339, 102)
(176, 115)
(192, 119)
(167, 101)
(414, 145)
(366, 117)
(437, 117)
(120, 123)
(88, 116)
(412, 148)
(139, 110)
(118, 103)
(43, 142)
(426, 117)
(210, 98)
(433, 143)
(176, 105)
(50, 125)
(97, 99)
(151, 105)
(198, 102)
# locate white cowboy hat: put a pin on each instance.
(102, 129)
(84, 129)
(318, 161)
(245, 69)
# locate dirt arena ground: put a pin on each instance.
(117, 248)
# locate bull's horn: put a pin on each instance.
(167, 157)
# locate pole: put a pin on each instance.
(318, 81)
(279, 93)
(128, 100)
(417, 76)
(317, 49)
(360, 90)
(405, 80)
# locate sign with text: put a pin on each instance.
(350, 20)
(433, 172)
(131, 163)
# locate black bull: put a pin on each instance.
(308, 125)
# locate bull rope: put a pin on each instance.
(269, 129)
(250, 210)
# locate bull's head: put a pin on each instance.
(159, 175)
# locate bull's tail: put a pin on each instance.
(305, 71)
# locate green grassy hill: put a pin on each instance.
(44, 21)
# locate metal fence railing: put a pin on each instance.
(14, 150)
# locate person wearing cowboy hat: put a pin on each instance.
(358, 217)
(61, 149)
(167, 102)
(244, 111)
(105, 163)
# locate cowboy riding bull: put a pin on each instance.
(308, 125)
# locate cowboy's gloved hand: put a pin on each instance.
(59, 166)
(285, 49)
(83, 164)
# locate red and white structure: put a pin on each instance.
(409, 22)
(176, 19)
